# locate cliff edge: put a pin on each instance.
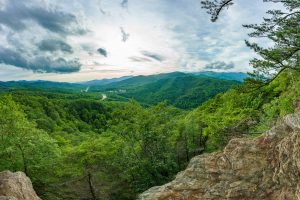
(264, 168)
(16, 186)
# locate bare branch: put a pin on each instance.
(215, 8)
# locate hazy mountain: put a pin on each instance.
(140, 80)
(105, 81)
(237, 76)
(181, 91)
(134, 81)
(40, 84)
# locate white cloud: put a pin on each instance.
(179, 31)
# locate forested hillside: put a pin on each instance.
(184, 92)
(116, 150)
(113, 139)
(50, 85)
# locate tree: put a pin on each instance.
(149, 157)
(215, 7)
(281, 28)
(23, 147)
(95, 167)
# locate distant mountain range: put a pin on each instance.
(105, 81)
(40, 84)
(135, 81)
(124, 81)
(236, 76)
(129, 81)
(183, 90)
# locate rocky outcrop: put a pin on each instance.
(16, 186)
(264, 168)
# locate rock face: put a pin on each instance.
(265, 168)
(16, 186)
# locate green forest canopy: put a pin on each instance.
(75, 146)
(72, 145)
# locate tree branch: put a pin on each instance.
(218, 11)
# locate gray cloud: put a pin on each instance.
(102, 51)
(53, 45)
(125, 36)
(220, 65)
(89, 48)
(154, 56)
(43, 51)
(10, 57)
(58, 65)
(16, 14)
(139, 59)
(124, 4)
(102, 11)
(41, 64)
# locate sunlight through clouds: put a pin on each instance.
(62, 38)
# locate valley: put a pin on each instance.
(174, 88)
(110, 143)
(150, 100)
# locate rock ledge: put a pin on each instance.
(16, 186)
(264, 168)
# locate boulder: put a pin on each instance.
(16, 186)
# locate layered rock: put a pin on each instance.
(264, 168)
(16, 186)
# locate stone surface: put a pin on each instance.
(264, 168)
(16, 186)
(7, 198)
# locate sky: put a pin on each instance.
(80, 40)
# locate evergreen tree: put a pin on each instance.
(281, 28)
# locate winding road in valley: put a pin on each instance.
(104, 96)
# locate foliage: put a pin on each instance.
(77, 146)
(215, 7)
(280, 28)
(183, 92)
(237, 113)
(24, 147)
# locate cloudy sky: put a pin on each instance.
(77, 40)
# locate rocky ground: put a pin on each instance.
(265, 168)
(16, 186)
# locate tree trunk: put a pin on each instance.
(91, 186)
(202, 142)
(187, 152)
(25, 168)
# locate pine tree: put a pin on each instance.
(281, 28)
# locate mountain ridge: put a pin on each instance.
(238, 76)
(128, 80)
(183, 90)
